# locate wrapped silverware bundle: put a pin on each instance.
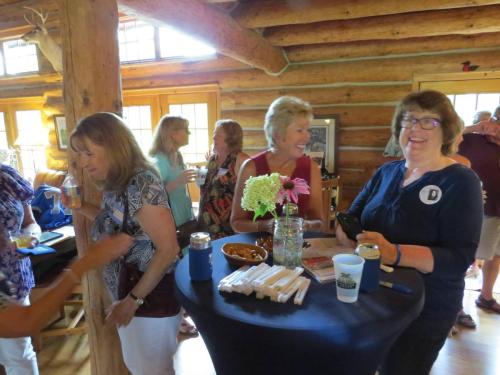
(276, 282)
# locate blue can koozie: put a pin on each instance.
(200, 257)
(371, 270)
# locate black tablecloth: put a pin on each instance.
(323, 336)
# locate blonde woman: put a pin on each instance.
(171, 134)
(287, 124)
(134, 201)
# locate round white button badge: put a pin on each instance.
(430, 194)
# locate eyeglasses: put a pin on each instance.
(426, 123)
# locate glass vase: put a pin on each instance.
(288, 241)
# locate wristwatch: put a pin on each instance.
(138, 301)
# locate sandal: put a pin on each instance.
(453, 331)
(187, 328)
(465, 320)
(488, 304)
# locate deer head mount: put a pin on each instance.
(40, 36)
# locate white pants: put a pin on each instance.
(17, 355)
(149, 344)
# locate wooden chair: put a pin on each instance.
(331, 190)
(47, 269)
(72, 326)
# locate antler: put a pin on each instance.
(30, 22)
(39, 13)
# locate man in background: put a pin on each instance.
(481, 145)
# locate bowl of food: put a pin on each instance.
(243, 254)
(266, 242)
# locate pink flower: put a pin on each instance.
(291, 189)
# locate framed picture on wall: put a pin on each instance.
(323, 143)
(61, 131)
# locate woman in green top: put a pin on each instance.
(171, 134)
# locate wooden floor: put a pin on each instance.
(468, 352)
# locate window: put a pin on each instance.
(176, 44)
(467, 105)
(20, 57)
(137, 41)
(138, 118)
(2, 69)
(197, 115)
(143, 109)
(469, 92)
(4, 144)
(142, 41)
(31, 141)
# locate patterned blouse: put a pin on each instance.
(15, 193)
(144, 188)
(217, 197)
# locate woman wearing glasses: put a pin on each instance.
(423, 212)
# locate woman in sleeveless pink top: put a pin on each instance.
(287, 131)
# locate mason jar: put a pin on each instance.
(287, 242)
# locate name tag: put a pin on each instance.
(222, 171)
(117, 215)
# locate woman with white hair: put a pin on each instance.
(481, 116)
(287, 124)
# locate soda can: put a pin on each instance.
(200, 256)
(370, 278)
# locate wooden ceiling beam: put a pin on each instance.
(214, 27)
(265, 13)
(422, 24)
(352, 50)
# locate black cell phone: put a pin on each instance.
(350, 224)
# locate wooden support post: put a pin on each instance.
(92, 84)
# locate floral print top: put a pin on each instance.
(217, 197)
(144, 188)
(15, 193)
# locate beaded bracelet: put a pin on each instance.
(398, 255)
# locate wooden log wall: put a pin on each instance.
(361, 89)
(360, 82)
(54, 105)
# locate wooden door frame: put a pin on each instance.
(459, 83)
